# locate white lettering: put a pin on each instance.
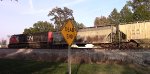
(30, 38)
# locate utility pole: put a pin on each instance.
(118, 34)
(69, 59)
(111, 37)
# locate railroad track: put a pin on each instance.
(83, 48)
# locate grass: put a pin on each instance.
(8, 66)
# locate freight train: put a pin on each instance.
(130, 35)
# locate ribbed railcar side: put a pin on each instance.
(95, 36)
(136, 32)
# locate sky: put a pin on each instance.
(16, 16)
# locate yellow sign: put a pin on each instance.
(69, 32)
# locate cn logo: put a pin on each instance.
(30, 38)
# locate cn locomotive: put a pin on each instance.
(130, 35)
(37, 40)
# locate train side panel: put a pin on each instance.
(58, 38)
(50, 37)
(95, 35)
(136, 30)
(38, 40)
(39, 37)
(137, 33)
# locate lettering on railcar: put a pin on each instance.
(30, 38)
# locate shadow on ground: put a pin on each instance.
(9, 66)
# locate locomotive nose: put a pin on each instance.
(13, 39)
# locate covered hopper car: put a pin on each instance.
(137, 32)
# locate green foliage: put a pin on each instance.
(59, 16)
(101, 21)
(141, 9)
(79, 25)
(133, 11)
(3, 42)
(126, 15)
(114, 17)
(39, 27)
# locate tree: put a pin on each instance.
(114, 17)
(59, 16)
(0, 43)
(101, 21)
(141, 9)
(38, 27)
(3, 42)
(79, 25)
(126, 15)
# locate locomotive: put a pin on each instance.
(37, 40)
(130, 35)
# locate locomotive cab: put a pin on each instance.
(13, 41)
